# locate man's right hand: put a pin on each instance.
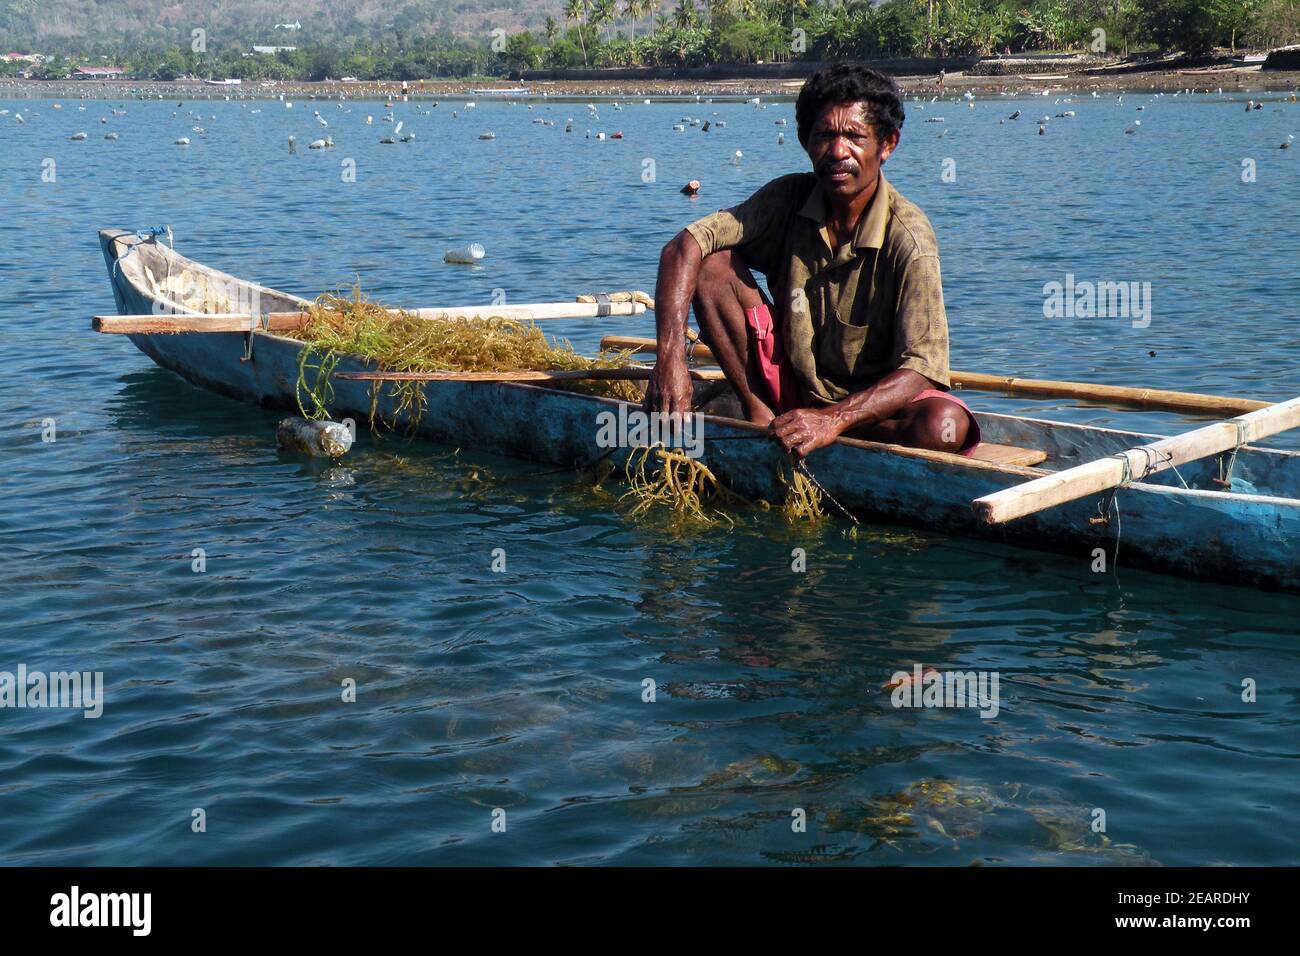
(670, 388)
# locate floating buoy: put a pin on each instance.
(692, 188)
(1286, 143)
(1134, 127)
(318, 439)
(466, 256)
(736, 157)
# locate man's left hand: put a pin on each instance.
(804, 430)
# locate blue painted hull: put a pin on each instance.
(1201, 533)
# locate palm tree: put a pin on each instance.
(687, 16)
(573, 10)
(603, 13)
(636, 9)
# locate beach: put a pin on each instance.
(1197, 80)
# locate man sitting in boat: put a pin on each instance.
(856, 343)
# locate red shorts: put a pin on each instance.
(784, 393)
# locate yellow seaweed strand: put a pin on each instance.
(680, 483)
(803, 499)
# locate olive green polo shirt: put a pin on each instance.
(848, 316)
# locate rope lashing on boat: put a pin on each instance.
(1226, 480)
(144, 235)
(1153, 458)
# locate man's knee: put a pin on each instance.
(939, 424)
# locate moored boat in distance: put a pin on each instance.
(1232, 517)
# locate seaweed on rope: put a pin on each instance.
(679, 482)
(803, 499)
(399, 341)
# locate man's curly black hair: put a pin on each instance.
(850, 83)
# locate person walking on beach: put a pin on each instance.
(939, 82)
(854, 340)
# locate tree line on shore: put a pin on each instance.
(682, 33)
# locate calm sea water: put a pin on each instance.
(523, 690)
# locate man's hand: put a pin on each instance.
(804, 430)
(670, 388)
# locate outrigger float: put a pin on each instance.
(1205, 504)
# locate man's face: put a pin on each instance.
(846, 152)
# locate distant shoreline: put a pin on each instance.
(1170, 81)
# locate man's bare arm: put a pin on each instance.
(885, 399)
(806, 429)
(679, 273)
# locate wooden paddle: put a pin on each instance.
(1149, 398)
(1135, 464)
(555, 375)
(288, 321)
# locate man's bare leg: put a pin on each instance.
(933, 423)
(726, 288)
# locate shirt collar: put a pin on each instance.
(874, 220)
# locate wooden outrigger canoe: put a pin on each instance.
(1200, 531)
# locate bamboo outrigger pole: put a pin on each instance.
(1135, 464)
(526, 375)
(288, 321)
(1155, 399)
